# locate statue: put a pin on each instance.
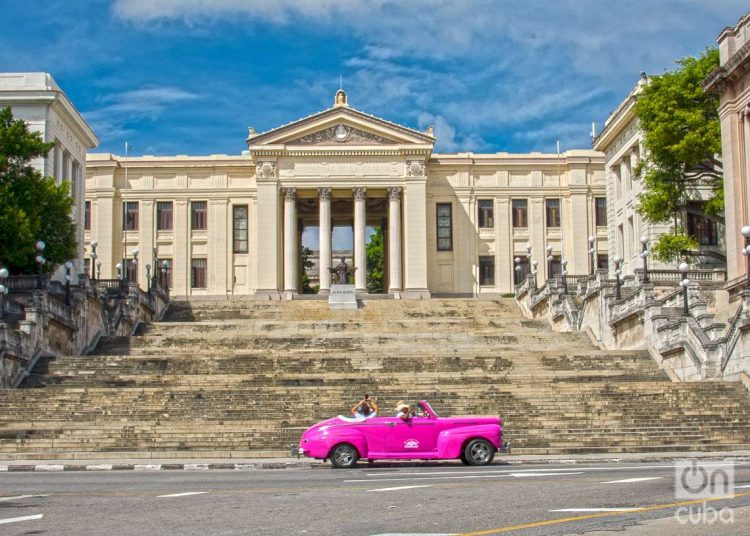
(340, 272)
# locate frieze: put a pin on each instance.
(631, 131)
(339, 168)
(341, 134)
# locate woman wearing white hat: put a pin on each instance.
(402, 410)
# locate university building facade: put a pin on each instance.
(453, 224)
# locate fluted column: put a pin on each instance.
(290, 241)
(360, 257)
(324, 259)
(394, 240)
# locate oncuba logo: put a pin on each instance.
(695, 480)
(411, 444)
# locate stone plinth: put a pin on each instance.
(342, 297)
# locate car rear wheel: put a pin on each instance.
(479, 452)
(344, 456)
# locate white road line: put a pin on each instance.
(401, 487)
(182, 494)
(20, 497)
(463, 477)
(597, 509)
(629, 480)
(17, 519)
(521, 475)
(745, 486)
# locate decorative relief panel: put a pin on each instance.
(341, 134)
(415, 168)
(265, 170)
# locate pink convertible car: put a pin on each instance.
(423, 436)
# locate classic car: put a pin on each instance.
(421, 435)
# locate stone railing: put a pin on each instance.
(38, 323)
(669, 278)
(689, 346)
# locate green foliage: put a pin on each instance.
(672, 247)
(682, 138)
(306, 265)
(32, 207)
(375, 262)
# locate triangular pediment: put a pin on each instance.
(340, 127)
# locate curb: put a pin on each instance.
(56, 468)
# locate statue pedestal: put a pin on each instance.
(342, 297)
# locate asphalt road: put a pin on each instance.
(409, 499)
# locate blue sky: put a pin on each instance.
(189, 76)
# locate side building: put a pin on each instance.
(454, 224)
(37, 99)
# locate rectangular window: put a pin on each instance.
(520, 275)
(87, 216)
(602, 262)
(130, 216)
(198, 215)
(487, 270)
(444, 227)
(600, 205)
(553, 212)
(165, 276)
(131, 270)
(486, 213)
(555, 266)
(703, 229)
(164, 216)
(239, 228)
(520, 213)
(198, 273)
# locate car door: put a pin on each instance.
(414, 436)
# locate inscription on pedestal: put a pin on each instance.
(342, 297)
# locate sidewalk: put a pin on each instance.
(250, 464)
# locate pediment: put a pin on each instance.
(342, 134)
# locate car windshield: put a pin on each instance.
(420, 410)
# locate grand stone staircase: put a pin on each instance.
(243, 378)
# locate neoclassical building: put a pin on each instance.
(453, 224)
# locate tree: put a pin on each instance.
(375, 262)
(306, 265)
(32, 207)
(682, 141)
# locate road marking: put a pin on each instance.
(520, 475)
(596, 510)
(17, 519)
(19, 497)
(401, 487)
(561, 520)
(745, 486)
(182, 494)
(463, 477)
(629, 480)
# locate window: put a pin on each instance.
(555, 266)
(130, 216)
(165, 277)
(444, 227)
(131, 270)
(486, 270)
(520, 213)
(198, 273)
(520, 275)
(164, 216)
(553, 212)
(198, 216)
(486, 213)
(239, 228)
(600, 207)
(703, 229)
(602, 262)
(87, 216)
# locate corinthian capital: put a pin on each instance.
(324, 193)
(359, 193)
(290, 194)
(394, 193)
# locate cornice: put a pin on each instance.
(720, 78)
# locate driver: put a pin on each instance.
(402, 410)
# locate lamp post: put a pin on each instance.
(644, 256)
(98, 269)
(746, 252)
(684, 282)
(550, 258)
(155, 254)
(618, 272)
(164, 272)
(135, 265)
(94, 256)
(592, 252)
(517, 261)
(40, 260)
(564, 264)
(534, 270)
(3, 290)
(148, 277)
(118, 266)
(68, 277)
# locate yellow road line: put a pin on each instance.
(639, 510)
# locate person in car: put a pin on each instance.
(365, 408)
(402, 410)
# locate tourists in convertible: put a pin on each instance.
(365, 408)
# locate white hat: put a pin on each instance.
(402, 407)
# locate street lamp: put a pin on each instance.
(644, 256)
(3, 290)
(684, 282)
(118, 266)
(517, 260)
(618, 272)
(564, 264)
(550, 258)
(592, 252)
(135, 265)
(164, 272)
(746, 252)
(98, 269)
(155, 254)
(94, 256)
(534, 270)
(68, 269)
(40, 260)
(148, 277)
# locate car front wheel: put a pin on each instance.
(344, 456)
(479, 452)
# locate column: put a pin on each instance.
(394, 240)
(360, 257)
(290, 241)
(324, 260)
(267, 243)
